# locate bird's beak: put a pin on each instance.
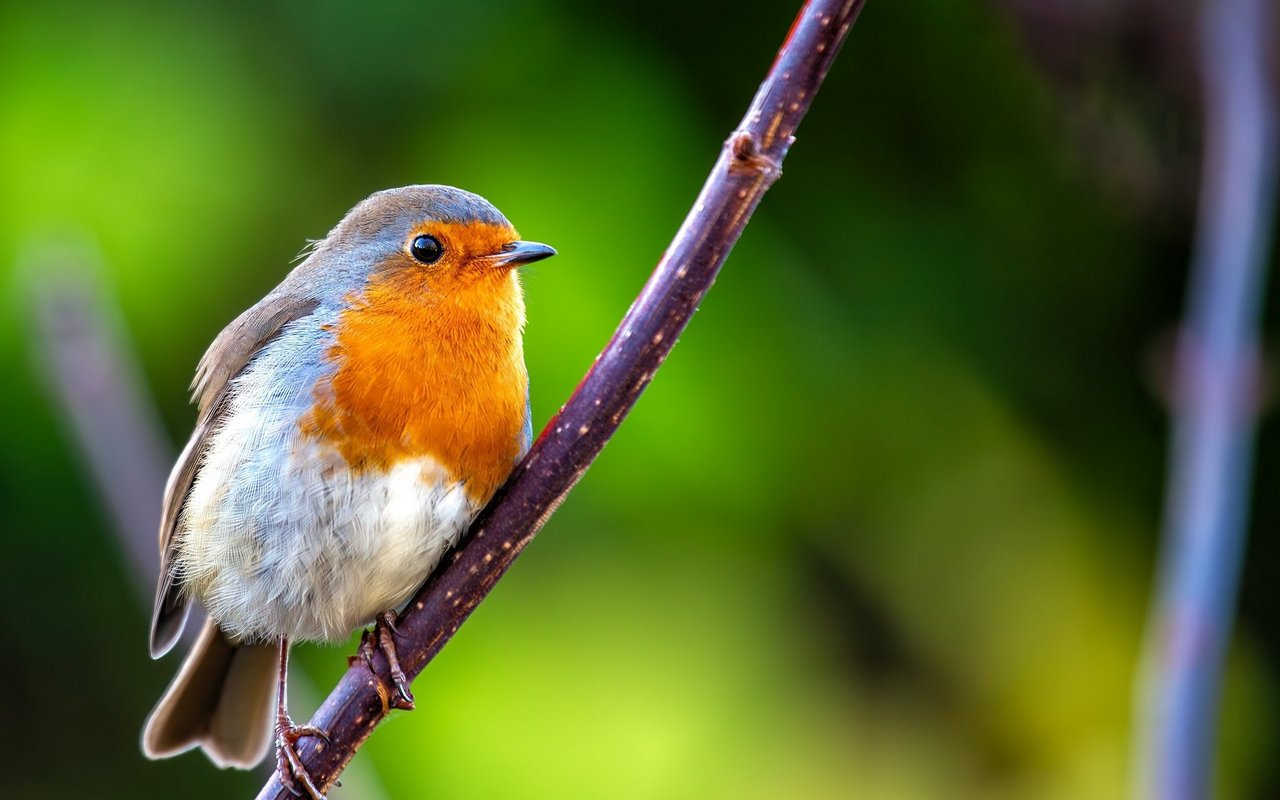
(518, 253)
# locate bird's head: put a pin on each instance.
(433, 239)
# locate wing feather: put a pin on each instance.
(229, 354)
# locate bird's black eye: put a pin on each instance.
(426, 249)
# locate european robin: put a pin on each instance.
(350, 426)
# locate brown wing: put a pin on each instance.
(225, 358)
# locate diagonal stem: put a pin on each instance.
(748, 164)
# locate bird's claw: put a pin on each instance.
(293, 774)
(383, 636)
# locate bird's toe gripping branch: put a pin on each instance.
(394, 693)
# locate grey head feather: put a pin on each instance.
(394, 212)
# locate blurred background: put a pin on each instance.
(884, 526)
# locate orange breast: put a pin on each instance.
(429, 370)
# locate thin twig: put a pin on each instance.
(93, 377)
(1209, 488)
(748, 164)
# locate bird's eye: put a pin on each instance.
(426, 249)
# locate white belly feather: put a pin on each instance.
(279, 536)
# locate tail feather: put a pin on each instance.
(220, 701)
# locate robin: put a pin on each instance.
(351, 425)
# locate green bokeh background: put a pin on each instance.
(883, 527)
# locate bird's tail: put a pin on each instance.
(220, 701)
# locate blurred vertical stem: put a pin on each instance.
(749, 163)
(92, 373)
(1216, 401)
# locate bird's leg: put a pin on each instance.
(292, 772)
(383, 635)
(385, 629)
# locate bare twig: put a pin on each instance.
(93, 376)
(749, 163)
(1215, 417)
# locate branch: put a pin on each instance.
(748, 164)
(92, 374)
(1206, 512)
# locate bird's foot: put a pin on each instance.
(293, 775)
(383, 637)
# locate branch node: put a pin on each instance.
(747, 156)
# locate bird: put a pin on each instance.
(350, 426)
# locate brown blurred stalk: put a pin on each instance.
(748, 164)
(1216, 403)
(95, 382)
